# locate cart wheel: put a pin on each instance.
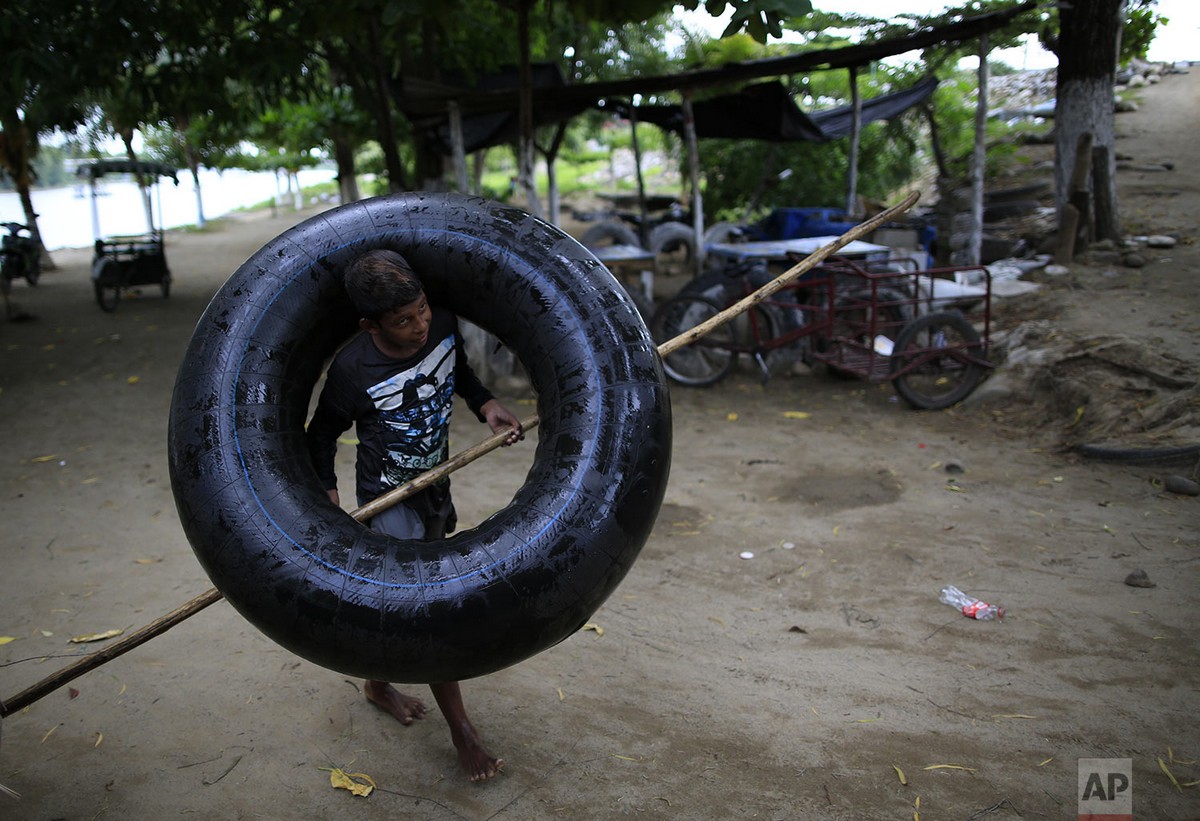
(704, 362)
(106, 278)
(166, 286)
(932, 363)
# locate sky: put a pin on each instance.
(1178, 40)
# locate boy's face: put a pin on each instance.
(402, 332)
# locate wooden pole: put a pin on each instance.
(979, 157)
(693, 153)
(855, 132)
(89, 662)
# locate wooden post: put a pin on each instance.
(1108, 222)
(1079, 196)
(979, 157)
(458, 146)
(855, 130)
(689, 135)
(643, 216)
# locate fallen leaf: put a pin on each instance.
(1047, 761)
(99, 739)
(49, 733)
(623, 757)
(49, 458)
(341, 780)
(796, 415)
(155, 560)
(950, 767)
(72, 693)
(46, 633)
(6, 639)
(599, 631)
(133, 380)
(561, 696)
(900, 775)
(1012, 715)
(731, 416)
(107, 634)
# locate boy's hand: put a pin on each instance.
(499, 418)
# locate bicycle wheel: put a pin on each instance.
(707, 360)
(106, 278)
(932, 360)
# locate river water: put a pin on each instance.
(65, 214)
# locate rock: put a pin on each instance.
(1056, 270)
(1181, 485)
(1132, 259)
(1160, 241)
(1125, 106)
(1138, 578)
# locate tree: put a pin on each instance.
(57, 55)
(1087, 48)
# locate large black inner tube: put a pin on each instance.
(343, 597)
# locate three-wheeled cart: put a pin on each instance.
(122, 262)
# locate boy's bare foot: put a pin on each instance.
(386, 697)
(477, 762)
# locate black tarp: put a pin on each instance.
(495, 127)
(766, 111)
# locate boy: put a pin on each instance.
(396, 383)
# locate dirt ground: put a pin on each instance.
(794, 684)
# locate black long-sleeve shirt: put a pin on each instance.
(401, 408)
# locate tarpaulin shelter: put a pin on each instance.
(766, 111)
(451, 104)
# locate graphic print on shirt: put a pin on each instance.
(414, 406)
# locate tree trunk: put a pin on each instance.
(17, 148)
(1086, 51)
(525, 170)
(347, 177)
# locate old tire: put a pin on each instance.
(352, 600)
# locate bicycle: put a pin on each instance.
(880, 321)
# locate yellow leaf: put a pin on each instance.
(599, 631)
(917, 803)
(796, 415)
(731, 416)
(148, 561)
(49, 458)
(900, 775)
(49, 733)
(6, 639)
(1047, 761)
(1162, 765)
(99, 739)
(354, 782)
(107, 634)
(864, 720)
(133, 380)
(623, 757)
(561, 696)
(950, 767)
(1012, 715)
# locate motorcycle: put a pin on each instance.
(18, 255)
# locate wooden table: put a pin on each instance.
(777, 250)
